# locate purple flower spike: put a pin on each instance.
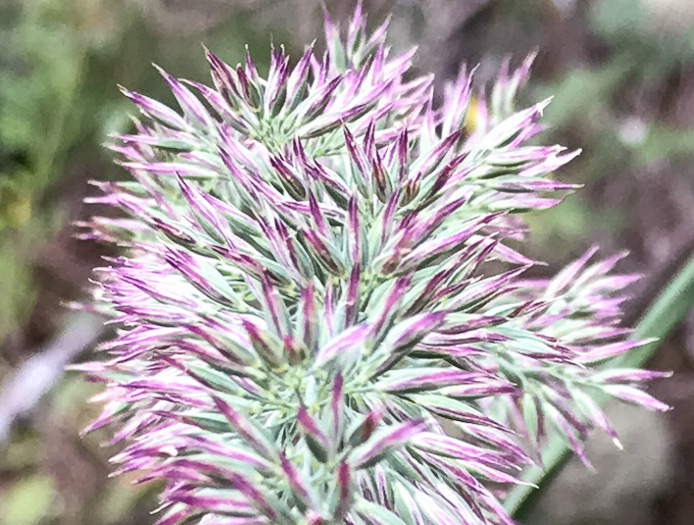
(316, 271)
(316, 440)
(344, 483)
(301, 492)
(381, 444)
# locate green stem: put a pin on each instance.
(671, 305)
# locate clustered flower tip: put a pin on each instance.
(321, 319)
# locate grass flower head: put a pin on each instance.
(322, 314)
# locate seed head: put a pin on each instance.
(321, 318)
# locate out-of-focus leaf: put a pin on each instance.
(28, 502)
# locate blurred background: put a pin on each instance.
(621, 72)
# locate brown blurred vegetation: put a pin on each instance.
(621, 72)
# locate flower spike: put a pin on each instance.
(320, 317)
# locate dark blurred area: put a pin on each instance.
(622, 76)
